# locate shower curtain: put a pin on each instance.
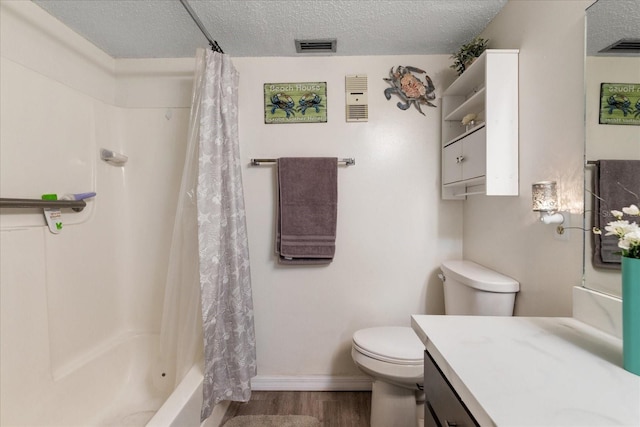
(208, 282)
(225, 282)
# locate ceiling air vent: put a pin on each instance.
(316, 46)
(357, 98)
(623, 46)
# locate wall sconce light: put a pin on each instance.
(545, 200)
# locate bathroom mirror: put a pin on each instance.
(607, 23)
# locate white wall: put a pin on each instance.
(361, 288)
(393, 230)
(503, 233)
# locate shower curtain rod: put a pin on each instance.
(214, 44)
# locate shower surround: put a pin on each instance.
(81, 309)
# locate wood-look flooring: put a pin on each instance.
(332, 408)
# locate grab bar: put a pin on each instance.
(76, 205)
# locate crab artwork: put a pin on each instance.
(310, 100)
(410, 88)
(619, 102)
(284, 102)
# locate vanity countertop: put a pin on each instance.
(533, 371)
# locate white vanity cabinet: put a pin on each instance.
(486, 155)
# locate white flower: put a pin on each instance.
(616, 214)
(629, 240)
(628, 233)
(617, 228)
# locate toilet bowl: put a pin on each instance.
(393, 356)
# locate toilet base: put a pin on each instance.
(394, 406)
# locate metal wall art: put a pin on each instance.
(410, 89)
(620, 104)
(295, 102)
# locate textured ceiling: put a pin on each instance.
(611, 20)
(163, 29)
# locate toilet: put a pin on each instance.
(393, 355)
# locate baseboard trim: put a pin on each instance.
(310, 383)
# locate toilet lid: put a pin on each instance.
(392, 344)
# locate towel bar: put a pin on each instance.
(257, 162)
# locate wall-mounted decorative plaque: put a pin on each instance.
(620, 103)
(295, 102)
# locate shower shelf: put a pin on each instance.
(76, 205)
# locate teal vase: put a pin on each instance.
(631, 314)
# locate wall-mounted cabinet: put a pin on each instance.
(484, 156)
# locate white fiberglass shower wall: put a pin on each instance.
(77, 305)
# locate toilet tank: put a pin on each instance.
(471, 289)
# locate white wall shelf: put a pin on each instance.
(473, 104)
(486, 155)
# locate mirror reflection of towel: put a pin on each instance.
(616, 185)
(307, 209)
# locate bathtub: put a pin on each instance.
(114, 385)
(140, 398)
(182, 407)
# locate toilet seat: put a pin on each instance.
(391, 344)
